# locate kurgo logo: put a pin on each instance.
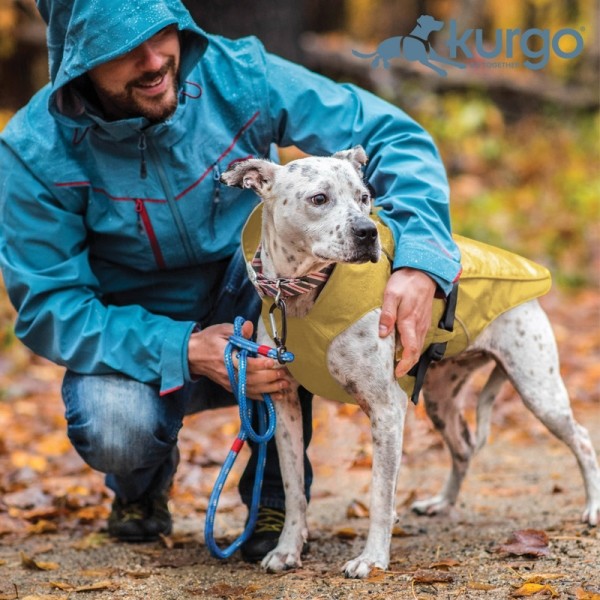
(535, 44)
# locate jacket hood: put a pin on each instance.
(83, 34)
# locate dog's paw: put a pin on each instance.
(360, 567)
(591, 514)
(281, 560)
(437, 505)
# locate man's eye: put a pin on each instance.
(319, 199)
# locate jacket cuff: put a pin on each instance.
(439, 265)
(174, 366)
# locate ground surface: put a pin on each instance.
(53, 507)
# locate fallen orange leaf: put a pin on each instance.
(398, 531)
(444, 565)
(363, 460)
(422, 576)
(530, 589)
(42, 513)
(36, 462)
(68, 587)
(109, 572)
(30, 563)
(526, 542)
(346, 533)
(59, 585)
(376, 576)
(92, 513)
(485, 587)
(357, 510)
(542, 577)
(92, 540)
(54, 444)
(10, 524)
(586, 595)
(42, 526)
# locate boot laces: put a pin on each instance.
(269, 519)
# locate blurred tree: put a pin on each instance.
(379, 19)
(277, 24)
(324, 16)
(23, 57)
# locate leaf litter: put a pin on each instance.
(53, 508)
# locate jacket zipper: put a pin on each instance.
(142, 147)
(146, 225)
(216, 200)
(177, 218)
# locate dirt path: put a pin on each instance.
(53, 507)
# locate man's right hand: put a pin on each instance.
(206, 349)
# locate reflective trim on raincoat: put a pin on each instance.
(110, 271)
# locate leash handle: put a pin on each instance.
(266, 429)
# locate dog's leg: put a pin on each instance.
(290, 448)
(444, 407)
(387, 425)
(523, 342)
(377, 392)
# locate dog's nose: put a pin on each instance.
(365, 231)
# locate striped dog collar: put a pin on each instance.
(285, 287)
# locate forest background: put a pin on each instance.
(522, 151)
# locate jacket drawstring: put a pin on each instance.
(142, 147)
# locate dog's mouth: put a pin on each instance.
(355, 256)
(364, 255)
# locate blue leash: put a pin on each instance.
(266, 429)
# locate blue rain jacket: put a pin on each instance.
(110, 271)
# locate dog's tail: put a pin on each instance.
(484, 405)
(362, 55)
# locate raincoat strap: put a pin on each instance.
(435, 351)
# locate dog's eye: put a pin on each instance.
(365, 198)
(319, 199)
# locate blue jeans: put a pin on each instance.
(125, 429)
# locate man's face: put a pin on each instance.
(143, 82)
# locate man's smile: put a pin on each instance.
(152, 88)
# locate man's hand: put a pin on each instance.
(407, 303)
(205, 356)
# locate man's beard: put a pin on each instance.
(154, 109)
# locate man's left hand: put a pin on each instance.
(407, 303)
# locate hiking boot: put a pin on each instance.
(268, 528)
(142, 521)
(269, 525)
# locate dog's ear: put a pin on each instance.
(357, 156)
(254, 173)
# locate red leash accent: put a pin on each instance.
(263, 350)
(237, 445)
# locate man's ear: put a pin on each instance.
(357, 156)
(255, 174)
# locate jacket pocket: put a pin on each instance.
(146, 226)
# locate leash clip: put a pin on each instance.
(279, 341)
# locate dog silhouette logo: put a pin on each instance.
(414, 47)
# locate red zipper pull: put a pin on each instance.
(139, 209)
